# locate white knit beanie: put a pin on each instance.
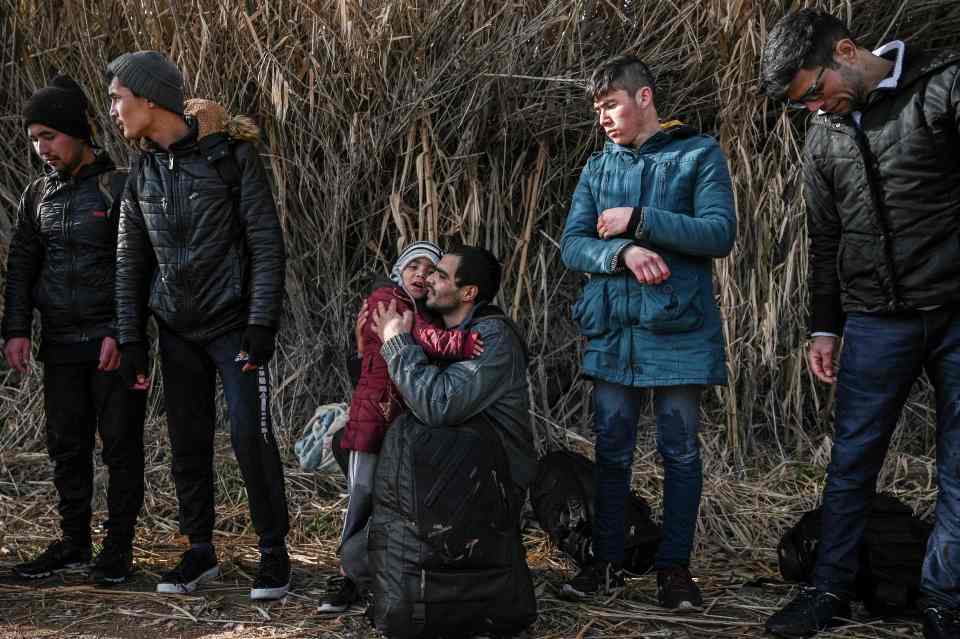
(411, 252)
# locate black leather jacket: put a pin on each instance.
(62, 256)
(203, 268)
(883, 199)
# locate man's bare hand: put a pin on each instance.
(646, 266)
(17, 352)
(823, 350)
(613, 222)
(388, 322)
(362, 318)
(109, 355)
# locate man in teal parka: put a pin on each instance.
(649, 215)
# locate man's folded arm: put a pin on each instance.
(452, 395)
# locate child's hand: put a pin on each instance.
(477, 347)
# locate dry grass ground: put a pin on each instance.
(741, 520)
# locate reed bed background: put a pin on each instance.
(466, 121)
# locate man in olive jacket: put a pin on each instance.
(206, 256)
(882, 189)
(61, 262)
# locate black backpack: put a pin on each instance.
(444, 541)
(891, 555)
(563, 499)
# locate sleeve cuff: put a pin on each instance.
(826, 315)
(395, 344)
(635, 227)
(615, 264)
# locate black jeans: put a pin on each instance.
(80, 401)
(189, 383)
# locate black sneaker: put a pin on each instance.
(273, 577)
(341, 593)
(195, 567)
(941, 623)
(810, 612)
(60, 556)
(114, 563)
(677, 591)
(596, 578)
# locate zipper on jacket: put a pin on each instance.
(180, 223)
(68, 246)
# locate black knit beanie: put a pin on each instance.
(151, 75)
(62, 106)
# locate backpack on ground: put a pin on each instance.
(563, 499)
(444, 541)
(315, 448)
(891, 555)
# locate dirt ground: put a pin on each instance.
(68, 606)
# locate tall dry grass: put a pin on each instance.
(465, 120)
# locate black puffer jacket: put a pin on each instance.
(208, 269)
(883, 201)
(62, 256)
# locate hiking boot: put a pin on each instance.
(195, 567)
(677, 591)
(341, 593)
(596, 578)
(273, 576)
(941, 623)
(60, 556)
(114, 563)
(810, 612)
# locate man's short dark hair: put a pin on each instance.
(627, 72)
(478, 267)
(803, 39)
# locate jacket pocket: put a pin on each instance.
(591, 311)
(673, 306)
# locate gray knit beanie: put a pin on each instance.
(151, 75)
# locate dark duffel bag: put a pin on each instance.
(891, 555)
(563, 496)
(444, 543)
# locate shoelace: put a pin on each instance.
(271, 564)
(945, 615)
(676, 578)
(186, 561)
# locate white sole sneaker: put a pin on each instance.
(186, 588)
(68, 569)
(258, 594)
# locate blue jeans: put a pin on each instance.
(616, 411)
(882, 357)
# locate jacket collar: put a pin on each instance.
(910, 65)
(669, 131)
(101, 164)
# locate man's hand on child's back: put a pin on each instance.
(388, 322)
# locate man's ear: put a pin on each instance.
(845, 51)
(469, 293)
(643, 97)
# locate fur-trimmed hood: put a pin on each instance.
(207, 117)
(212, 117)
